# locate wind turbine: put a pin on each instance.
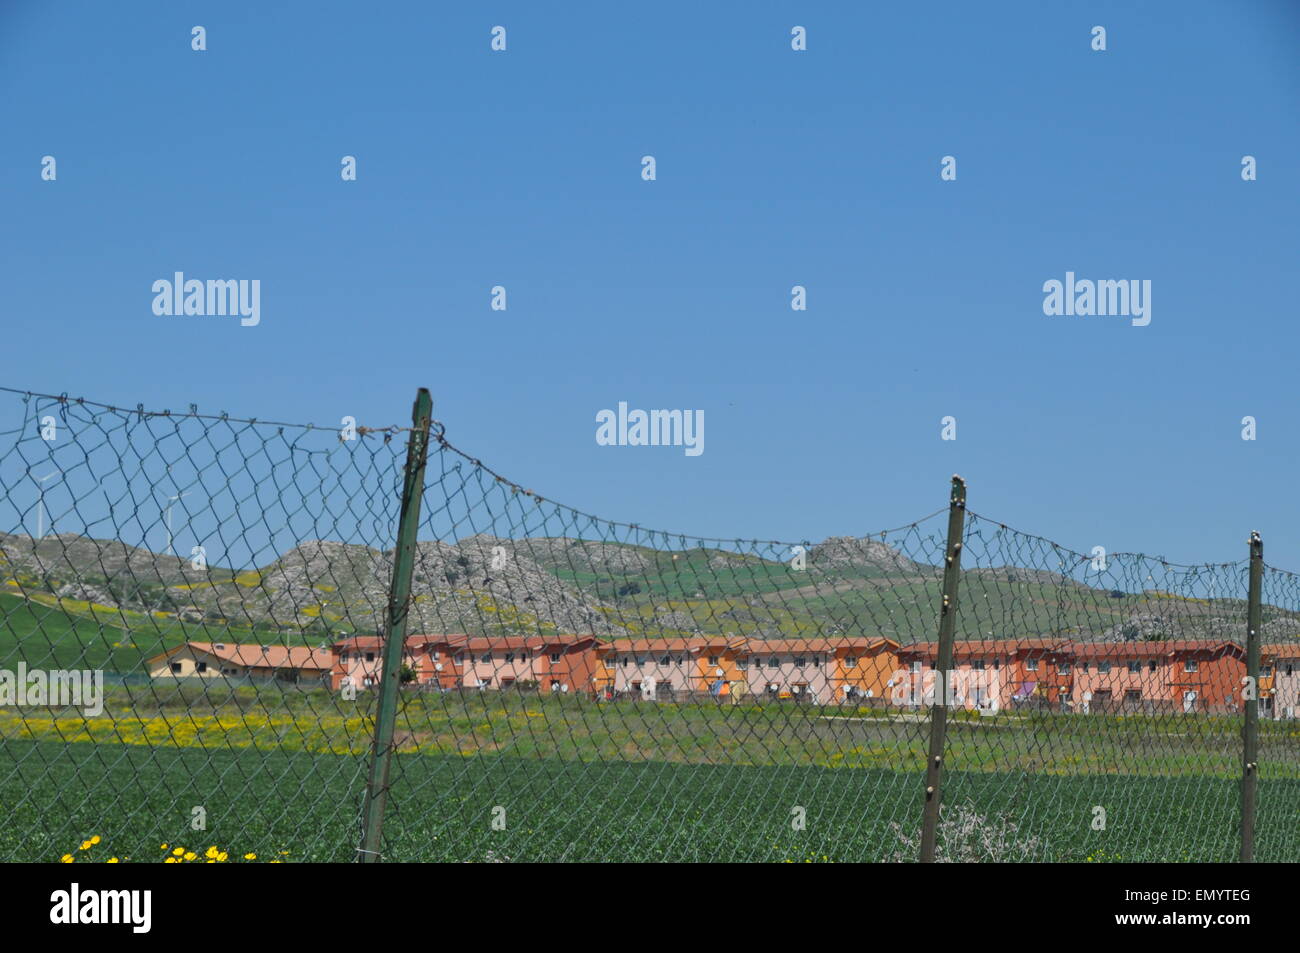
(40, 504)
(167, 511)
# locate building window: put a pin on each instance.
(1151, 666)
(176, 668)
(713, 660)
(771, 661)
(817, 661)
(485, 657)
(370, 656)
(800, 662)
(555, 656)
(510, 658)
(1062, 668)
(201, 666)
(1103, 668)
(665, 660)
(1031, 665)
(1190, 665)
(1133, 695)
(1265, 671)
(850, 661)
(1134, 667)
(916, 666)
(977, 664)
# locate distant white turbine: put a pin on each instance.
(171, 501)
(40, 503)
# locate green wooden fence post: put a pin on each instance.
(1250, 729)
(939, 709)
(399, 594)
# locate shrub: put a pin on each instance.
(965, 836)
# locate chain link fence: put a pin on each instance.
(291, 642)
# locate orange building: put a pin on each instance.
(567, 664)
(1206, 675)
(437, 660)
(863, 667)
(563, 663)
(1187, 675)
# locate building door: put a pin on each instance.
(1189, 701)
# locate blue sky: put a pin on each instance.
(775, 168)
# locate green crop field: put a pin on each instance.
(278, 769)
(442, 808)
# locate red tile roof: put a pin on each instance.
(969, 647)
(820, 644)
(694, 644)
(264, 656)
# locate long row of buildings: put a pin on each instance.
(1186, 675)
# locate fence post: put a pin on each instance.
(939, 709)
(399, 594)
(1250, 729)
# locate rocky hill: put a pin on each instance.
(488, 585)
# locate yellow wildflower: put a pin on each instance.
(65, 859)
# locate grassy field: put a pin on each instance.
(442, 808)
(49, 633)
(280, 769)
